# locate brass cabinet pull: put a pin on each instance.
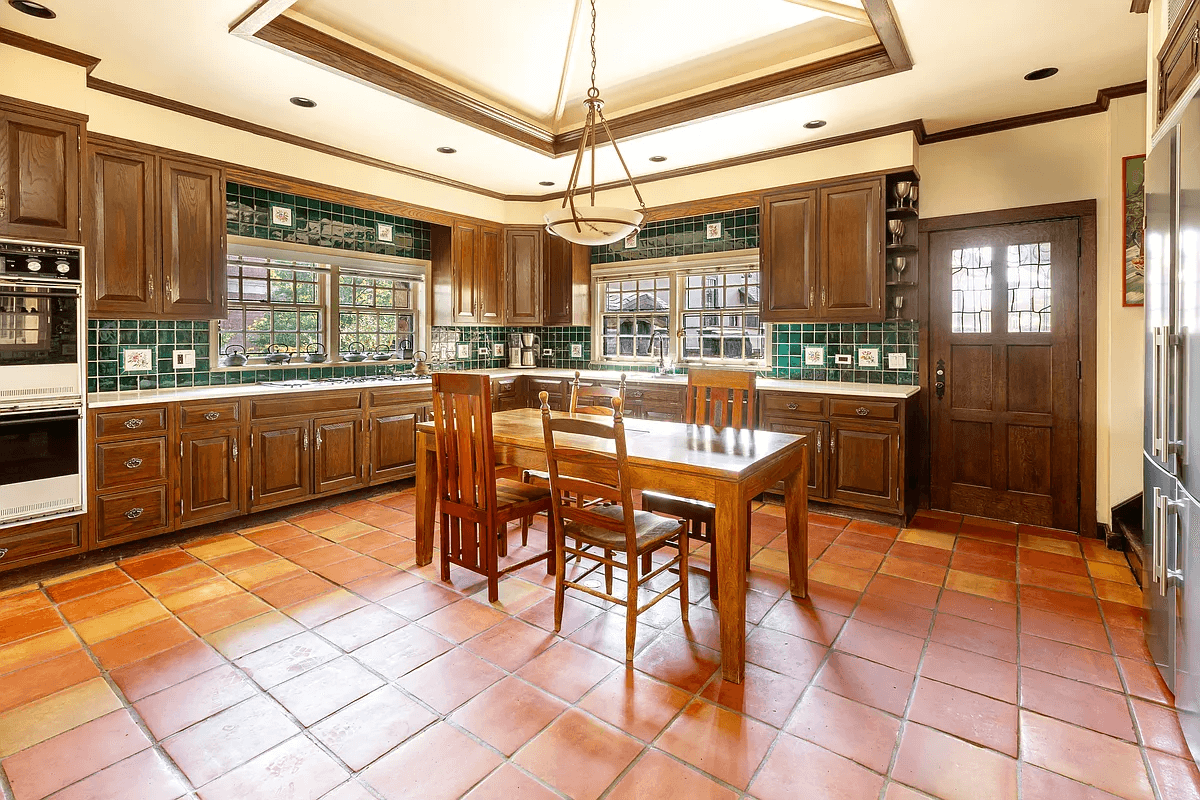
(862, 411)
(822, 297)
(136, 422)
(818, 441)
(792, 406)
(306, 440)
(318, 438)
(210, 416)
(133, 513)
(3, 210)
(812, 297)
(3, 550)
(167, 286)
(133, 463)
(235, 451)
(151, 288)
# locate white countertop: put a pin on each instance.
(116, 399)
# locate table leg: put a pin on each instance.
(731, 579)
(795, 494)
(426, 497)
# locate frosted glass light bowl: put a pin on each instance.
(598, 225)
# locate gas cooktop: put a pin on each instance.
(405, 377)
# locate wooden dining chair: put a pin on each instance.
(475, 505)
(723, 399)
(579, 469)
(596, 400)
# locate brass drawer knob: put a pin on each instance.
(862, 411)
(210, 416)
(133, 513)
(133, 463)
(136, 422)
(3, 552)
(792, 406)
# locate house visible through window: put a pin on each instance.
(635, 312)
(721, 317)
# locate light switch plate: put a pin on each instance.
(547, 353)
(483, 352)
(498, 350)
(183, 359)
(576, 351)
(868, 356)
(843, 360)
(897, 360)
(814, 356)
(134, 360)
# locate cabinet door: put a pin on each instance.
(557, 395)
(558, 281)
(210, 477)
(818, 438)
(490, 276)
(851, 265)
(464, 292)
(789, 257)
(39, 178)
(123, 265)
(192, 200)
(865, 465)
(280, 463)
(339, 457)
(523, 273)
(394, 442)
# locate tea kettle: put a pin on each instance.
(420, 367)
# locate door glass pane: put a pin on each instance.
(971, 290)
(1029, 288)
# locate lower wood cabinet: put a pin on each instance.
(280, 466)
(133, 514)
(865, 464)
(23, 545)
(818, 438)
(338, 458)
(393, 441)
(210, 476)
(558, 392)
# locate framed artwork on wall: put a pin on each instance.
(1133, 173)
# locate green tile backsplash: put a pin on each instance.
(315, 222)
(685, 236)
(894, 336)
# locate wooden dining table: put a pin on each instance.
(725, 467)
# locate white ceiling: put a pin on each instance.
(969, 57)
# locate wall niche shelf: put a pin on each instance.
(900, 284)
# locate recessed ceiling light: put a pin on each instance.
(814, 124)
(658, 159)
(303, 102)
(32, 9)
(1042, 74)
(447, 150)
(545, 183)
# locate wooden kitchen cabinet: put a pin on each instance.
(489, 276)
(393, 442)
(818, 440)
(157, 234)
(865, 464)
(40, 153)
(558, 392)
(567, 284)
(662, 403)
(22, 545)
(338, 460)
(280, 463)
(789, 256)
(506, 394)
(210, 476)
(523, 275)
(468, 274)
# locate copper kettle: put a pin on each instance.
(420, 367)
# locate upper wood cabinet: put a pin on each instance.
(822, 253)
(567, 284)
(523, 275)
(1178, 60)
(489, 276)
(39, 173)
(157, 231)
(468, 274)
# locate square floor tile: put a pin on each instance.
(367, 728)
(662, 777)
(319, 692)
(725, 744)
(297, 764)
(579, 755)
(450, 680)
(1079, 703)
(401, 651)
(209, 749)
(952, 769)
(977, 718)
(508, 714)
(858, 732)
(440, 763)
(797, 768)
(567, 670)
(867, 682)
(1089, 757)
(284, 660)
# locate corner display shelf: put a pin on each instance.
(902, 286)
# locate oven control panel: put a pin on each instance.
(41, 261)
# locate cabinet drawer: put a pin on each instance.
(208, 415)
(864, 409)
(126, 463)
(395, 397)
(113, 424)
(505, 387)
(657, 394)
(308, 405)
(39, 540)
(131, 515)
(789, 404)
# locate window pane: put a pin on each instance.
(971, 290)
(1029, 291)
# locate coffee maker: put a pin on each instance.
(524, 350)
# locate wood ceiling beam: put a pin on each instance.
(832, 8)
(259, 15)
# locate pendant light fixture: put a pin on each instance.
(593, 224)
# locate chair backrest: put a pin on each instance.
(721, 398)
(466, 458)
(569, 460)
(595, 397)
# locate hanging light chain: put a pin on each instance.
(593, 92)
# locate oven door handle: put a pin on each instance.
(25, 289)
(25, 417)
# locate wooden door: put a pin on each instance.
(280, 463)
(464, 291)
(818, 443)
(789, 257)
(123, 265)
(339, 458)
(864, 464)
(192, 200)
(851, 247)
(1005, 325)
(39, 178)
(210, 477)
(489, 281)
(559, 281)
(523, 272)
(393, 436)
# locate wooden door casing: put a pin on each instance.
(123, 265)
(1005, 434)
(851, 251)
(210, 482)
(789, 256)
(192, 204)
(39, 177)
(393, 435)
(864, 464)
(523, 269)
(338, 461)
(281, 464)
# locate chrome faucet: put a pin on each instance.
(661, 335)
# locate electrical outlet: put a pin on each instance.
(498, 350)
(576, 351)
(547, 353)
(897, 360)
(483, 352)
(843, 360)
(183, 359)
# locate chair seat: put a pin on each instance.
(652, 530)
(684, 507)
(515, 493)
(538, 477)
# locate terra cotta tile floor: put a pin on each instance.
(308, 658)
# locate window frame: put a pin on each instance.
(377, 311)
(321, 306)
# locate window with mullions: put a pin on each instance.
(270, 305)
(720, 317)
(634, 311)
(375, 312)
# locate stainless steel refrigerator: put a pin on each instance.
(1171, 461)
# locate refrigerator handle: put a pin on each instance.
(1159, 410)
(1156, 542)
(1176, 443)
(1177, 508)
